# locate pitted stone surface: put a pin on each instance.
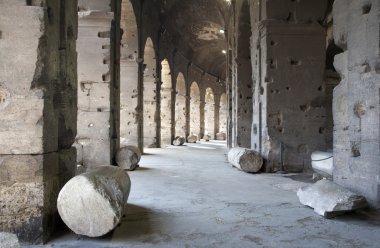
(92, 203)
(245, 159)
(179, 141)
(128, 157)
(330, 199)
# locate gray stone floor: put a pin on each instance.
(191, 197)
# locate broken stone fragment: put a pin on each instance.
(245, 159)
(330, 199)
(206, 137)
(92, 203)
(8, 240)
(220, 136)
(128, 157)
(192, 138)
(179, 141)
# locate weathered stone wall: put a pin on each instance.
(287, 57)
(180, 107)
(223, 111)
(98, 90)
(37, 112)
(166, 104)
(242, 84)
(129, 76)
(356, 99)
(210, 113)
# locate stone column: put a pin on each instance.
(129, 70)
(288, 76)
(216, 114)
(38, 105)
(98, 88)
(356, 107)
(202, 104)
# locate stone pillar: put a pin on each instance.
(216, 114)
(129, 76)
(98, 88)
(166, 104)
(288, 74)
(356, 107)
(202, 104)
(38, 105)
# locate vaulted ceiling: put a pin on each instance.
(196, 29)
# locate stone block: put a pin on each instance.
(245, 159)
(330, 199)
(128, 157)
(179, 141)
(9, 240)
(192, 139)
(98, 207)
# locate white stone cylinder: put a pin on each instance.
(92, 203)
(192, 139)
(179, 141)
(128, 157)
(245, 159)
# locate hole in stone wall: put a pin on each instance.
(104, 34)
(106, 77)
(322, 130)
(273, 43)
(1, 34)
(295, 62)
(366, 9)
(305, 108)
(320, 88)
(290, 17)
(288, 88)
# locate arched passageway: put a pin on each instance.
(166, 95)
(195, 117)
(149, 114)
(180, 106)
(210, 113)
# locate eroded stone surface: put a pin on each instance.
(179, 141)
(245, 159)
(192, 139)
(128, 157)
(8, 240)
(329, 199)
(98, 206)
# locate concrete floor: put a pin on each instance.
(190, 197)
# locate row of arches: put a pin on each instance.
(172, 106)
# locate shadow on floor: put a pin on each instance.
(363, 216)
(135, 225)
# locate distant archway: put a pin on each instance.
(150, 120)
(166, 100)
(210, 113)
(195, 117)
(180, 106)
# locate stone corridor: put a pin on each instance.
(191, 197)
